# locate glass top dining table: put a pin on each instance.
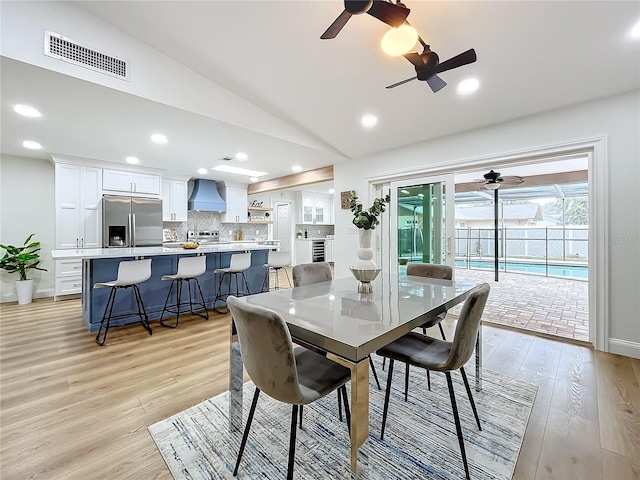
(333, 317)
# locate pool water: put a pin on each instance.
(555, 270)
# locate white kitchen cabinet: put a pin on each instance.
(77, 206)
(328, 250)
(236, 201)
(68, 279)
(174, 201)
(130, 182)
(316, 209)
(303, 251)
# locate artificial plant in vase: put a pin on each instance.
(20, 260)
(367, 220)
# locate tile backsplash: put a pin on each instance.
(315, 231)
(197, 220)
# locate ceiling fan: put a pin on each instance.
(387, 12)
(493, 180)
(427, 65)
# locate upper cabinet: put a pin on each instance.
(236, 200)
(316, 209)
(174, 201)
(78, 191)
(130, 182)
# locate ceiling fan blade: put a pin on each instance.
(459, 60)
(436, 83)
(415, 59)
(389, 13)
(511, 180)
(336, 26)
(401, 83)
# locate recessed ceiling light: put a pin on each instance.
(239, 171)
(159, 138)
(241, 156)
(254, 179)
(296, 168)
(202, 171)
(468, 86)
(132, 160)
(369, 121)
(27, 111)
(31, 145)
(331, 190)
(635, 31)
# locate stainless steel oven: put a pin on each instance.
(317, 251)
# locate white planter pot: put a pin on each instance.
(24, 291)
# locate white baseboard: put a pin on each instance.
(12, 297)
(624, 347)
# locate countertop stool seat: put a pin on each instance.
(189, 269)
(130, 274)
(240, 262)
(277, 261)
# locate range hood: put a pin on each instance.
(205, 197)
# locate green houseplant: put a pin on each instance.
(20, 260)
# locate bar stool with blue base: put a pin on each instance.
(240, 262)
(130, 274)
(189, 268)
(277, 261)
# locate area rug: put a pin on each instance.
(420, 438)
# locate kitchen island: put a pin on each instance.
(101, 265)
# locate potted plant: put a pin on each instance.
(367, 220)
(21, 260)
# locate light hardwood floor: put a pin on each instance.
(71, 409)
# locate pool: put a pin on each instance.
(552, 269)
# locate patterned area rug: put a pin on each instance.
(420, 439)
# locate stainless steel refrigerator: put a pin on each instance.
(131, 221)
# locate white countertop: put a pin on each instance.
(153, 251)
(314, 239)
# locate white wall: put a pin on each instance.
(617, 118)
(26, 207)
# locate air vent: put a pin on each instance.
(62, 48)
(227, 159)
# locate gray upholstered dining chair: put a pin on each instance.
(310, 273)
(431, 270)
(295, 376)
(443, 356)
(428, 270)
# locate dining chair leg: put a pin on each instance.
(456, 417)
(442, 331)
(375, 374)
(347, 412)
(301, 407)
(339, 404)
(473, 404)
(429, 380)
(292, 442)
(386, 399)
(406, 381)
(246, 430)
(384, 362)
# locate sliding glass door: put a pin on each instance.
(421, 216)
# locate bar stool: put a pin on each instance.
(239, 263)
(130, 274)
(276, 262)
(189, 268)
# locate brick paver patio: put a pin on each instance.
(549, 305)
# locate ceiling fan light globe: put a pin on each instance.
(492, 185)
(400, 40)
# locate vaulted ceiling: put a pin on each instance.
(532, 57)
